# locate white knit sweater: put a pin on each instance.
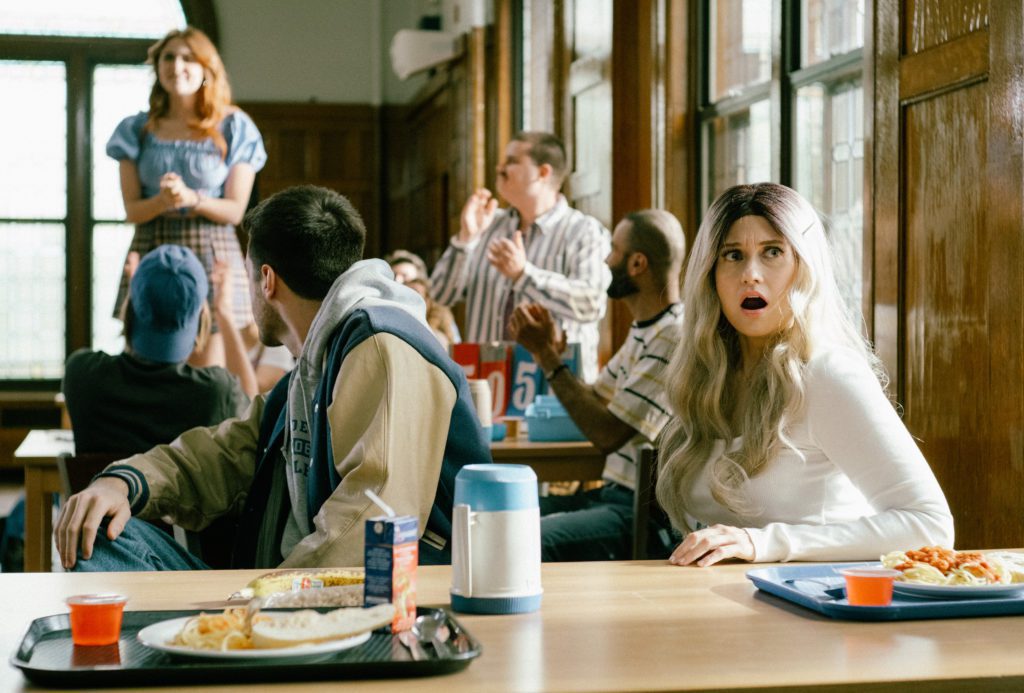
(862, 488)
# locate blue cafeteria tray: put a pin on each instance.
(822, 588)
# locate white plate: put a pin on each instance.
(958, 591)
(158, 635)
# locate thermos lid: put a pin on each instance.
(496, 487)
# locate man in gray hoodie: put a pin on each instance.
(373, 403)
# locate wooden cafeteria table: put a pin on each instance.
(574, 461)
(38, 453)
(618, 626)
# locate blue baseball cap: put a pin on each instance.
(167, 294)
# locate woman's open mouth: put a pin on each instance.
(753, 303)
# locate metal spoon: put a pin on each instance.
(432, 627)
(413, 645)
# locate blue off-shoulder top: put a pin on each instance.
(198, 162)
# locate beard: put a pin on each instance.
(269, 324)
(622, 284)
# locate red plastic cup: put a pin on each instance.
(96, 618)
(869, 586)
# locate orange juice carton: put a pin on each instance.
(391, 557)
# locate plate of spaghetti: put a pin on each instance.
(228, 635)
(933, 571)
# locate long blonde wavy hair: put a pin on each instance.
(213, 100)
(701, 385)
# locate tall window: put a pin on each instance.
(62, 235)
(782, 100)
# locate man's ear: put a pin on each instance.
(269, 281)
(637, 264)
(544, 172)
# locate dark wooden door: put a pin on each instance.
(949, 259)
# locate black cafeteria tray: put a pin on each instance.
(47, 657)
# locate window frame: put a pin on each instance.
(80, 55)
(787, 77)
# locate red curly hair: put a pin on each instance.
(213, 100)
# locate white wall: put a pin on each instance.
(330, 51)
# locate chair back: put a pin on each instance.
(645, 503)
(76, 471)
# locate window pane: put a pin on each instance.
(109, 247)
(122, 18)
(33, 141)
(738, 149)
(118, 91)
(741, 45)
(593, 28)
(830, 172)
(32, 293)
(830, 27)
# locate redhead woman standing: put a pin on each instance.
(188, 164)
(784, 445)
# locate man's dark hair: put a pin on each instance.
(546, 148)
(659, 236)
(308, 235)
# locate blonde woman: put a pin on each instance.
(188, 164)
(784, 446)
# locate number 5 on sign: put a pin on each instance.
(526, 382)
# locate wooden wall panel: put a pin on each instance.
(333, 145)
(428, 150)
(931, 23)
(948, 213)
(946, 305)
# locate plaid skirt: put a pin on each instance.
(208, 241)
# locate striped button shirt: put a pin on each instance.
(633, 384)
(565, 272)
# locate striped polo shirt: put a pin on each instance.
(565, 272)
(634, 386)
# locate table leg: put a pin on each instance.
(39, 490)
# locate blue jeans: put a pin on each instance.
(141, 546)
(595, 525)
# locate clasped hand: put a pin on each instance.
(712, 544)
(175, 194)
(507, 255)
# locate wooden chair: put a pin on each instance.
(645, 504)
(212, 545)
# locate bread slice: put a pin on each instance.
(308, 626)
(288, 580)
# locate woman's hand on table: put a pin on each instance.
(712, 544)
(81, 516)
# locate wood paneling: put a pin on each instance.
(946, 304)
(930, 23)
(947, 213)
(428, 159)
(333, 145)
(962, 60)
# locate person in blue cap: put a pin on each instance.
(148, 395)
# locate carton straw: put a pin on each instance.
(379, 503)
